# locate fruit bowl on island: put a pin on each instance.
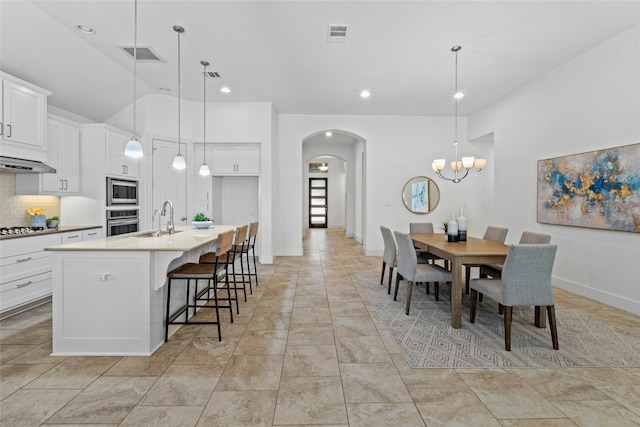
(201, 221)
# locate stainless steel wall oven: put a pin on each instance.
(122, 221)
(121, 192)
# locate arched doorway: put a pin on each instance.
(344, 152)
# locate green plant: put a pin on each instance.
(53, 218)
(445, 226)
(201, 217)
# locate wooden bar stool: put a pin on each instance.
(251, 246)
(214, 274)
(240, 235)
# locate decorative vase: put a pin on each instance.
(52, 223)
(452, 230)
(462, 226)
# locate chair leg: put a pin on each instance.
(409, 292)
(507, 327)
(426, 287)
(255, 266)
(395, 293)
(467, 278)
(500, 308)
(384, 264)
(390, 279)
(166, 320)
(436, 290)
(551, 313)
(474, 301)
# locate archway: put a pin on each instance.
(346, 151)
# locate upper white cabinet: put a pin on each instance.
(63, 141)
(117, 163)
(64, 155)
(23, 116)
(237, 159)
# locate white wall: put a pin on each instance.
(397, 148)
(589, 103)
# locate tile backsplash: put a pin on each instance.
(13, 208)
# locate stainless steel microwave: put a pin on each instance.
(121, 192)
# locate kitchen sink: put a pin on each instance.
(155, 233)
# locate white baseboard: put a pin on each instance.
(599, 295)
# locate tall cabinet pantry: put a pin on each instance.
(231, 194)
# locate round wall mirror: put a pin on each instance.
(421, 195)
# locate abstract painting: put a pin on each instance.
(598, 189)
(419, 197)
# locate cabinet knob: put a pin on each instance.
(107, 276)
(24, 259)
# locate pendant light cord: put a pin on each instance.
(179, 152)
(135, 62)
(204, 109)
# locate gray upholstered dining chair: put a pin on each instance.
(527, 238)
(426, 228)
(526, 280)
(495, 234)
(390, 255)
(409, 269)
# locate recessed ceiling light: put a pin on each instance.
(458, 95)
(365, 94)
(85, 29)
(165, 89)
(328, 133)
(225, 89)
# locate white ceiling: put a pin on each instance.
(277, 51)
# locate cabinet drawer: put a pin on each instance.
(22, 291)
(76, 236)
(91, 234)
(19, 266)
(28, 244)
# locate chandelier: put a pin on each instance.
(465, 162)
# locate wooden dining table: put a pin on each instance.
(473, 251)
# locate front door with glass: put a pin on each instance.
(318, 202)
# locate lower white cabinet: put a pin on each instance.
(26, 270)
(27, 267)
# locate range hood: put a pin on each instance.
(13, 165)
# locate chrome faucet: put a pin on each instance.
(170, 224)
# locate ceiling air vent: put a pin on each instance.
(213, 74)
(337, 34)
(144, 53)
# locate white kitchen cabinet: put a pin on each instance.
(23, 116)
(202, 191)
(26, 270)
(117, 163)
(91, 234)
(236, 159)
(63, 141)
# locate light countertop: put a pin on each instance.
(46, 231)
(185, 238)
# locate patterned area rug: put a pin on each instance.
(427, 339)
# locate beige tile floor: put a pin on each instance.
(306, 349)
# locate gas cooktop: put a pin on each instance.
(11, 231)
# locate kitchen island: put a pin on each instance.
(109, 295)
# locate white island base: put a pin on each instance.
(109, 297)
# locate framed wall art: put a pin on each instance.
(598, 189)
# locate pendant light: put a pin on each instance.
(466, 162)
(204, 169)
(133, 147)
(178, 161)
